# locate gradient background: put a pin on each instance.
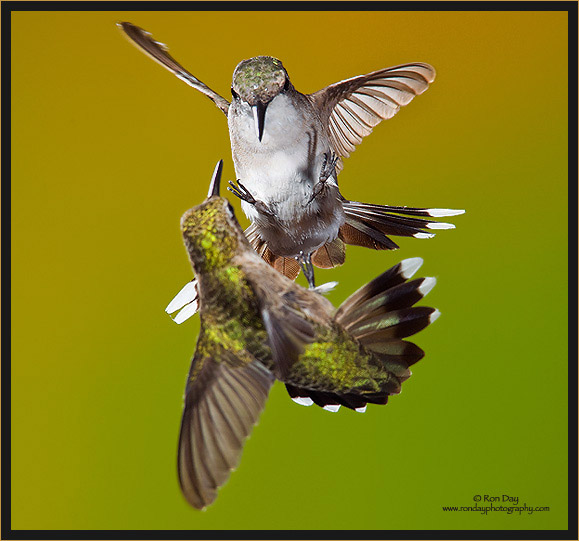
(109, 150)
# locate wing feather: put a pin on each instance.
(354, 106)
(223, 401)
(159, 53)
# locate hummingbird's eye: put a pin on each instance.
(286, 84)
(234, 94)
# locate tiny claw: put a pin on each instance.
(233, 189)
(318, 188)
(328, 170)
(239, 190)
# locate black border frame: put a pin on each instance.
(8, 7)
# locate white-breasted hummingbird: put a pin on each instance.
(287, 151)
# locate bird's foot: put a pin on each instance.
(318, 189)
(305, 261)
(239, 190)
(328, 169)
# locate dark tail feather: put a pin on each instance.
(382, 312)
(367, 225)
(333, 401)
(379, 316)
(358, 233)
(392, 277)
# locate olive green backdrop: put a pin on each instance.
(109, 150)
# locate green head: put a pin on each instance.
(259, 79)
(256, 82)
(210, 230)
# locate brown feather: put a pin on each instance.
(222, 403)
(288, 266)
(358, 236)
(159, 53)
(330, 255)
(354, 106)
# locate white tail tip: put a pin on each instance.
(187, 294)
(362, 409)
(324, 289)
(426, 287)
(434, 316)
(332, 407)
(186, 312)
(409, 266)
(423, 235)
(439, 213)
(303, 400)
(440, 225)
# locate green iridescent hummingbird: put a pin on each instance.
(258, 326)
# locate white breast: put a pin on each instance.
(277, 170)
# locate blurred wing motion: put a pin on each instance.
(159, 53)
(354, 106)
(223, 400)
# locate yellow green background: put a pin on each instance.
(109, 149)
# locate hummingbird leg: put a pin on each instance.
(328, 169)
(242, 192)
(305, 261)
(239, 190)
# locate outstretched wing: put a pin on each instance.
(354, 106)
(223, 400)
(159, 52)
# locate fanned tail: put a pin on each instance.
(379, 316)
(368, 225)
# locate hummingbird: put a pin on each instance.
(288, 147)
(258, 326)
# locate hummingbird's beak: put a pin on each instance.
(259, 118)
(215, 180)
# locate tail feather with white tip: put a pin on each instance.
(380, 315)
(369, 225)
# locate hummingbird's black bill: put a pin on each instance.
(215, 180)
(259, 118)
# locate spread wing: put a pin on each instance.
(353, 107)
(159, 53)
(223, 400)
